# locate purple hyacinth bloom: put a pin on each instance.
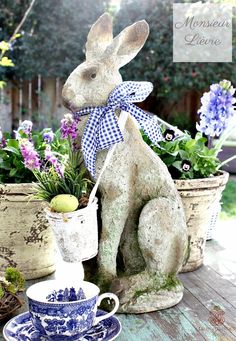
(69, 127)
(50, 157)
(217, 109)
(26, 127)
(31, 157)
(48, 136)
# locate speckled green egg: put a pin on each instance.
(64, 203)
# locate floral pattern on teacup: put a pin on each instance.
(66, 295)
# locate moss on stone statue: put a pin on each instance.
(171, 282)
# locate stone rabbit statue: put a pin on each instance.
(143, 238)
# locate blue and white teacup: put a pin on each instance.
(66, 310)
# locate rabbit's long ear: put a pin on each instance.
(99, 37)
(128, 43)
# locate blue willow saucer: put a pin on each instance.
(20, 328)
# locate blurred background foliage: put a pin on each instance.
(171, 80)
(54, 36)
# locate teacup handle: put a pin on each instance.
(100, 298)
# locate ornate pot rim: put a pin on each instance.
(202, 183)
(14, 188)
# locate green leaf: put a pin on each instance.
(13, 150)
(2, 84)
(13, 143)
(13, 171)
(1, 291)
(190, 144)
(177, 164)
(5, 165)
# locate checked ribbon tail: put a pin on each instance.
(147, 123)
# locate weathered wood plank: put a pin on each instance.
(136, 327)
(178, 326)
(222, 286)
(210, 298)
(199, 316)
(168, 325)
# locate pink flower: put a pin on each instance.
(50, 157)
(69, 127)
(31, 157)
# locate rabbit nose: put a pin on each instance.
(66, 103)
(67, 96)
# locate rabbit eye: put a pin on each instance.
(89, 73)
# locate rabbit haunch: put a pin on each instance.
(142, 215)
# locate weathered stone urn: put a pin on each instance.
(200, 197)
(26, 238)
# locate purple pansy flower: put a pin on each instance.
(25, 127)
(169, 134)
(217, 109)
(186, 165)
(48, 136)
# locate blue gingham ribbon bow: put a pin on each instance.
(102, 129)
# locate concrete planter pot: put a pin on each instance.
(199, 197)
(26, 238)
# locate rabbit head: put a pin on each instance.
(93, 80)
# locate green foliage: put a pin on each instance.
(154, 63)
(12, 169)
(12, 282)
(16, 279)
(1, 291)
(74, 180)
(54, 35)
(5, 62)
(228, 200)
(183, 149)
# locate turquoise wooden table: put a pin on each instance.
(208, 309)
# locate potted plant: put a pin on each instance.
(11, 284)
(62, 183)
(194, 164)
(26, 239)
